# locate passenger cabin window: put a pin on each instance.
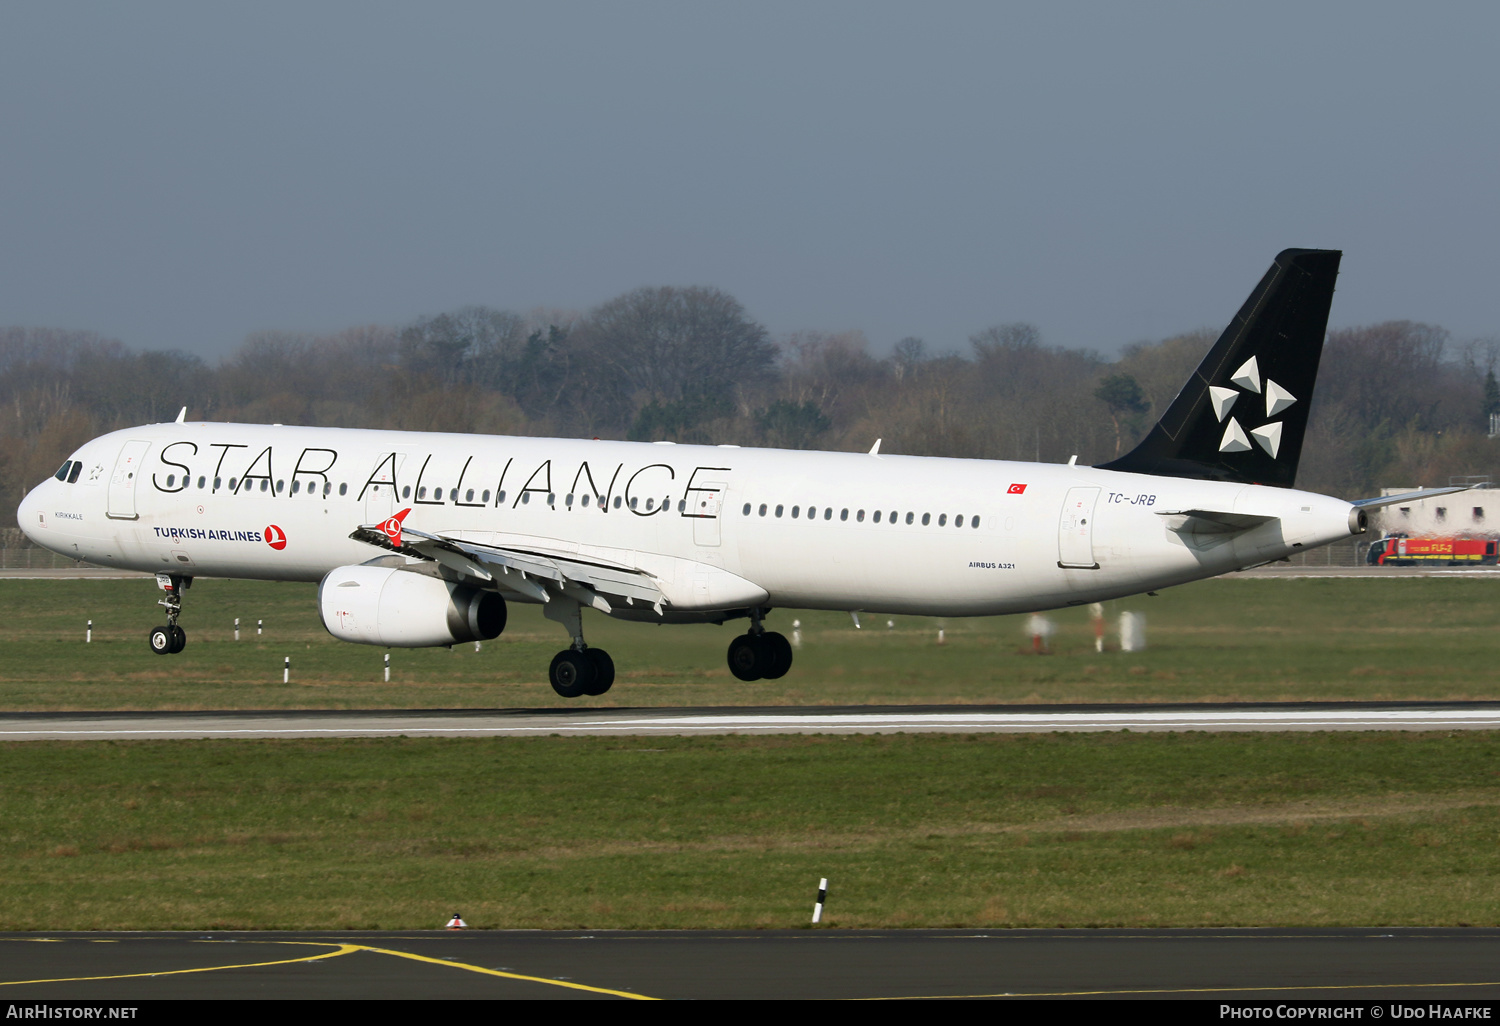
(202, 482)
(1442, 513)
(926, 519)
(876, 518)
(747, 509)
(860, 516)
(943, 520)
(1478, 510)
(843, 514)
(779, 510)
(909, 517)
(343, 488)
(827, 512)
(763, 509)
(795, 511)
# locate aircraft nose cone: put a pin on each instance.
(29, 515)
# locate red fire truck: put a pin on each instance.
(1399, 550)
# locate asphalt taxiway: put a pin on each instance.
(1385, 964)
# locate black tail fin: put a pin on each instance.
(1242, 414)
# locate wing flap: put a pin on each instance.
(538, 575)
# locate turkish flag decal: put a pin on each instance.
(1017, 489)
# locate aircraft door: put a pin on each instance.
(121, 501)
(380, 490)
(709, 502)
(1075, 530)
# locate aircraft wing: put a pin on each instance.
(535, 574)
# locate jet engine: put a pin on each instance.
(377, 605)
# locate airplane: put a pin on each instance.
(423, 539)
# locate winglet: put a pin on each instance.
(181, 416)
(391, 528)
(875, 449)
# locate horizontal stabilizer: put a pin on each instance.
(1213, 521)
(1391, 500)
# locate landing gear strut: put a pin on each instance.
(759, 654)
(578, 670)
(171, 639)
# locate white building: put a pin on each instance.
(1473, 513)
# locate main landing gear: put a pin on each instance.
(578, 670)
(759, 654)
(171, 639)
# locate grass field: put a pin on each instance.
(1232, 639)
(987, 830)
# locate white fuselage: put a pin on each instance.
(718, 526)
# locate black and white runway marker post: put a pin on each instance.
(822, 897)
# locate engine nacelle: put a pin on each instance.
(377, 605)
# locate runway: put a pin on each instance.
(118, 726)
(1244, 965)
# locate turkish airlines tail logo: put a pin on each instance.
(392, 527)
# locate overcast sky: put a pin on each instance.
(179, 175)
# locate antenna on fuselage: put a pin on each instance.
(181, 416)
(875, 449)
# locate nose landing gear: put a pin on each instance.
(760, 654)
(171, 639)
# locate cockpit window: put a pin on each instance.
(62, 471)
(73, 475)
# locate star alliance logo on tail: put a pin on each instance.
(1268, 435)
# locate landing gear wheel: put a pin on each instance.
(162, 640)
(604, 669)
(778, 655)
(747, 657)
(572, 673)
(179, 639)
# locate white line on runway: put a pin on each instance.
(63, 728)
